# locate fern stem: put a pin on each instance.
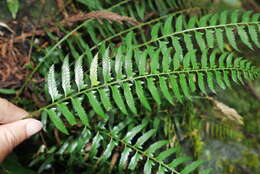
(28, 79)
(34, 113)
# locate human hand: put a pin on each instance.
(13, 130)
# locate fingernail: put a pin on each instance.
(32, 127)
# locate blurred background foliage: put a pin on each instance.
(228, 146)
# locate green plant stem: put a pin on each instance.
(34, 113)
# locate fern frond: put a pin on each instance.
(132, 143)
(203, 33)
(208, 31)
(160, 75)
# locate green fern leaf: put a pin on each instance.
(184, 86)
(175, 88)
(79, 73)
(166, 57)
(210, 81)
(235, 16)
(192, 22)
(106, 66)
(95, 104)
(156, 146)
(144, 138)
(80, 110)
(201, 82)
(210, 38)
(57, 121)
(141, 95)
(129, 98)
(124, 157)
(214, 19)
(128, 63)
(108, 152)
(220, 39)
(165, 89)
(192, 80)
(93, 71)
(223, 17)
(204, 20)
(134, 161)
(66, 76)
(105, 98)
(142, 63)
(153, 90)
(231, 38)
(212, 59)
(154, 60)
(179, 23)
(165, 154)
(176, 44)
(204, 59)
(119, 99)
(188, 42)
(155, 31)
(63, 108)
(200, 40)
(253, 34)
(226, 79)
(176, 162)
(219, 79)
(176, 60)
(246, 16)
(161, 170)
(148, 166)
(95, 144)
(119, 63)
(191, 167)
(52, 85)
(244, 37)
(167, 28)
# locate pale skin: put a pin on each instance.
(13, 128)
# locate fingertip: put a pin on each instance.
(32, 127)
(14, 133)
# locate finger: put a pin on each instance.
(9, 112)
(14, 133)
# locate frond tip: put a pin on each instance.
(209, 31)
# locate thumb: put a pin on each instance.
(14, 133)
